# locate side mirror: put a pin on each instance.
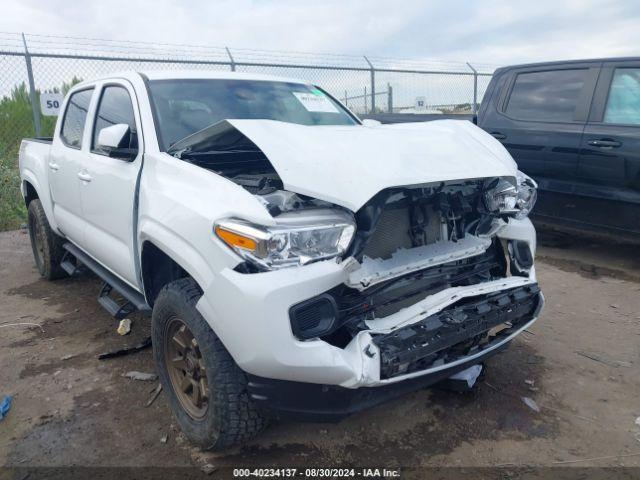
(115, 141)
(369, 122)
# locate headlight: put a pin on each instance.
(527, 194)
(500, 196)
(298, 238)
(505, 198)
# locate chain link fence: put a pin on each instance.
(34, 64)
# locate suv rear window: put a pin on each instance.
(75, 117)
(546, 96)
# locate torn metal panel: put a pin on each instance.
(404, 261)
(434, 303)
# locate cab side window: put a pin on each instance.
(623, 104)
(115, 107)
(75, 117)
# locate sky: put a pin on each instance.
(494, 32)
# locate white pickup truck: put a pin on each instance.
(298, 262)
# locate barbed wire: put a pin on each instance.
(75, 45)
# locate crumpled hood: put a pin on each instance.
(347, 165)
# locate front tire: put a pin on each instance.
(207, 391)
(46, 245)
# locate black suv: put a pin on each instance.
(575, 128)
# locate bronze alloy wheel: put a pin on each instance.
(186, 369)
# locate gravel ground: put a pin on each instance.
(580, 364)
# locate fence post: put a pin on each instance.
(364, 97)
(474, 108)
(389, 98)
(346, 103)
(373, 85)
(232, 63)
(35, 106)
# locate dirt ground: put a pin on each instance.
(579, 363)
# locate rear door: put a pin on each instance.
(540, 115)
(109, 195)
(68, 149)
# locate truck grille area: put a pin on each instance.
(391, 296)
(394, 231)
(352, 307)
(455, 332)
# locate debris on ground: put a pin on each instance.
(68, 357)
(164, 438)
(154, 394)
(142, 376)
(146, 343)
(531, 403)
(208, 469)
(462, 381)
(5, 406)
(529, 382)
(599, 358)
(638, 421)
(124, 327)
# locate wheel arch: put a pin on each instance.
(159, 268)
(29, 192)
(32, 190)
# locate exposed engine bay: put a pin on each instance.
(234, 156)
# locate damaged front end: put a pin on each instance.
(433, 275)
(430, 282)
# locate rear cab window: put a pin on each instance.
(550, 96)
(75, 118)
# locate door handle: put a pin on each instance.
(498, 135)
(54, 166)
(604, 143)
(85, 177)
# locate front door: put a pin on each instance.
(609, 163)
(108, 198)
(610, 150)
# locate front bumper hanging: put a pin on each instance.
(453, 340)
(455, 332)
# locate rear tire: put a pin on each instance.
(46, 245)
(207, 391)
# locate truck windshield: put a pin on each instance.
(185, 106)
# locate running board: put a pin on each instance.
(134, 300)
(117, 310)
